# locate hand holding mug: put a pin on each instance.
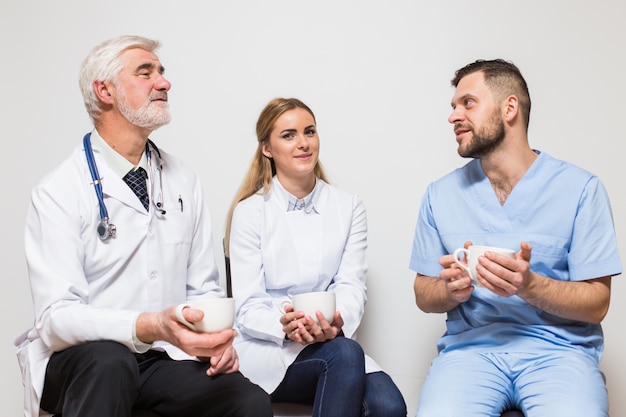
(471, 255)
(311, 302)
(301, 322)
(219, 314)
(178, 326)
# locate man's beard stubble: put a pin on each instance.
(151, 115)
(485, 139)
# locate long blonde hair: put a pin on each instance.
(258, 179)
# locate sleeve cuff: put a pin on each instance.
(138, 345)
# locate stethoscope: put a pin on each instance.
(105, 228)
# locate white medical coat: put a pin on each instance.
(85, 289)
(275, 254)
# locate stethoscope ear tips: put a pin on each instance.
(106, 230)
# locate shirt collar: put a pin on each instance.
(308, 204)
(116, 162)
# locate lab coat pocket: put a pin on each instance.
(177, 224)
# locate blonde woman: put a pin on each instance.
(290, 232)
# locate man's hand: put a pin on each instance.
(457, 281)
(505, 276)
(216, 346)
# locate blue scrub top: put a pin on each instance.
(561, 210)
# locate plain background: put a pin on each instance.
(377, 76)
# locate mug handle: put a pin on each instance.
(285, 304)
(181, 318)
(458, 261)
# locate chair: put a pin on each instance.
(293, 409)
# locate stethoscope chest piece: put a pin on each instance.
(106, 230)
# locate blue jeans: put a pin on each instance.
(331, 376)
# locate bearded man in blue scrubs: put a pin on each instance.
(526, 333)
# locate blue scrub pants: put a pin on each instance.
(331, 376)
(557, 383)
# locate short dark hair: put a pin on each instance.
(503, 79)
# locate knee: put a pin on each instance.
(382, 397)
(252, 400)
(380, 407)
(574, 408)
(107, 353)
(110, 361)
(348, 351)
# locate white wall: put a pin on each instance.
(376, 74)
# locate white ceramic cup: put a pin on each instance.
(472, 253)
(310, 302)
(219, 314)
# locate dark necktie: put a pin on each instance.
(136, 180)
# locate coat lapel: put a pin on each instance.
(115, 187)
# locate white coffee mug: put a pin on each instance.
(219, 314)
(472, 253)
(310, 302)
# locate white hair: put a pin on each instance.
(104, 64)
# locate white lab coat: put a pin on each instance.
(275, 254)
(85, 289)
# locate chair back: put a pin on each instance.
(229, 284)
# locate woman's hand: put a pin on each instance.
(305, 330)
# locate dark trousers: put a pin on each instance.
(105, 379)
